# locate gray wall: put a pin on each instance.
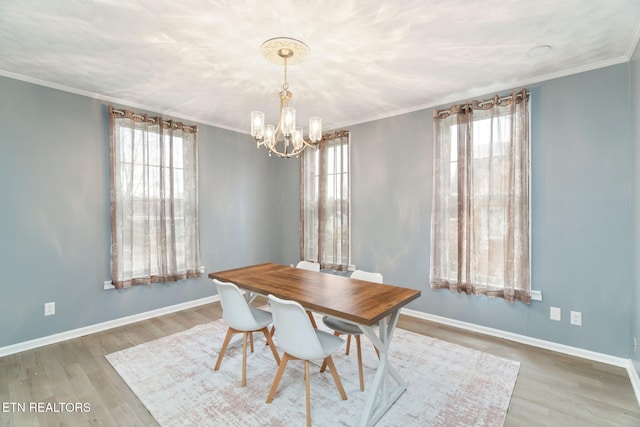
(581, 209)
(54, 214)
(580, 213)
(634, 84)
(55, 225)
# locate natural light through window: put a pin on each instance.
(326, 203)
(480, 218)
(154, 201)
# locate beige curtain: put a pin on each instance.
(325, 202)
(154, 199)
(480, 212)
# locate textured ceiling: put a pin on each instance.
(200, 59)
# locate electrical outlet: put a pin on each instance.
(555, 313)
(576, 318)
(49, 308)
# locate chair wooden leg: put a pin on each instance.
(324, 362)
(244, 358)
(245, 335)
(348, 343)
(359, 349)
(313, 320)
(223, 349)
(276, 380)
(285, 358)
(307, 381)
(336, 378)
(271, 344)
(273, 331)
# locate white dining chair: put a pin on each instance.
(243, 319)
(308, 265)
(300, 340)
(341, 327)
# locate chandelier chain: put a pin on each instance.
(285, 85)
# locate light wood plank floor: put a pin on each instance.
(552, 389)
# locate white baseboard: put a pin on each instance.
(99, 327)
(535, 342)
(635, 380)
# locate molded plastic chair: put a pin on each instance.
(242, 319)
(299, 340)
(308, 265)
(341, 327)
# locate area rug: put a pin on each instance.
(448, 384)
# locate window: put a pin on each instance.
(154, 200)
(325, 204)
(480, 229)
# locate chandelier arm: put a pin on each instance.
(310, 144)
(277, 134)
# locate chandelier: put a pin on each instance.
(285, 140)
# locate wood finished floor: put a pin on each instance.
(552, 389)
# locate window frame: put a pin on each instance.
(448, 211)
(311, 233)
(160, 206)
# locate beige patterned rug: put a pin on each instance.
(448, 385)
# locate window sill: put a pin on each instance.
(536, 295)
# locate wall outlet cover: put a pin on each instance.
(576, 318)
(49, 308)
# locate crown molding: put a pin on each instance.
(118, 101)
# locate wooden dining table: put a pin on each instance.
(365, 304)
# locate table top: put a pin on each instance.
(356, 300)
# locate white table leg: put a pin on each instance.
(250, 296)
(381, 395)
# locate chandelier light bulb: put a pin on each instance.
(269, 135)
(298, 139)
(288, 121)
(257, 124)
(315, 129)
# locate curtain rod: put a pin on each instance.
(335, 135)
(469, 104)
(145, 117)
